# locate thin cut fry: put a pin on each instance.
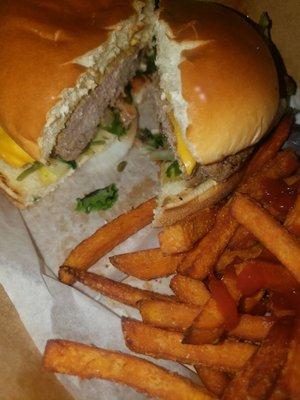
(159, 343)
(146, 264)
(199, 262)
(88, 362)
(179, 317)
(271, 146)
(118, 291)
(292, 222)
(181, 236)
(109, 236)
(215, 381)
(257, 378)
(189, 290)
(268, 231)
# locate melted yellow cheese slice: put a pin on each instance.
(184, 153)
(47, 176)
(12, 153)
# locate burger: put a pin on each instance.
(64, 70)
(195, 80)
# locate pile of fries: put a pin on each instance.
(234, 315)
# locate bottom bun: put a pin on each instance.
(173, 207)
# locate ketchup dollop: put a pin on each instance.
(225, 302)
(260, 274)
(279, 195)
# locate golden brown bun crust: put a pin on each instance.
(169, 216)
(39, 39)
(229, 81)
(11, 193)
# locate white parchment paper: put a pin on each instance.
(33, 243)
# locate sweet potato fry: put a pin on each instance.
(179, 316)
(281, 166)
(215, 381)
(109, 236)
(252, 327)
(208, 326)
(181, 236)
(189, 290)
(293, 179)
(118, 291)
(268, 231)
(199, 261)
(287, 386)
(203, 335)
(259, 375)
(278, 167)
(241, 239)
(88, 362)
(232, 256)
(159, 343)
(292, 371)
(260, 274)
(147, 264)
(248, 304)
(292, 222)
(256, 186)
(271, 146)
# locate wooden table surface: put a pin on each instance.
(22, 376)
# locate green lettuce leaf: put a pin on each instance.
(101, 199)
(116, 127)
(173, 170)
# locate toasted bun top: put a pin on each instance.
(229, 79)
(39, 40)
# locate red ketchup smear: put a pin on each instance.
(225, 302)
(260, 274)
(286, 304)
(279, 195)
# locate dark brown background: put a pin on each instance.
(22, 377)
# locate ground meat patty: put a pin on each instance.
(221, 170)
(82, 125)
(142, 90)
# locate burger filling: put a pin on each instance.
(178, 161)
(107, 113)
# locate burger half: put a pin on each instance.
(65, 69)
(215, 95)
